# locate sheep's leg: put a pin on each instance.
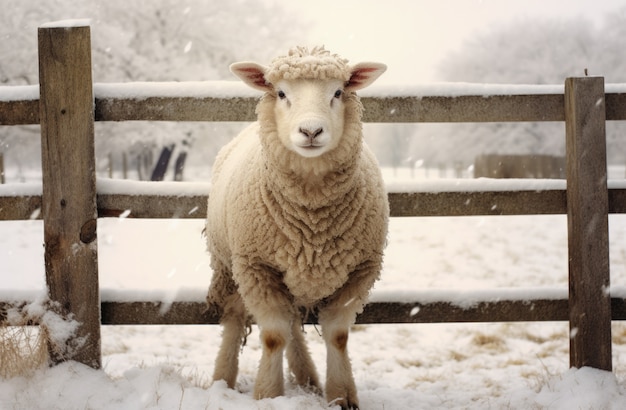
(336, 317)
(340, 386)
(269, 301)
(224, 299)
(275, 334)
(233, 322)
(300, 361)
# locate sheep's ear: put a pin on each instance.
(252, 74)
(364, 74)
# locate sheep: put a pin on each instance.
(297, 221)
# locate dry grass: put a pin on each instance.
(619, 333)
(29, 333)
(457, 356)
(408, 363)
(489, 342)
(23, 349)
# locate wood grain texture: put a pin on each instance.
(588, 230)
(69, 187)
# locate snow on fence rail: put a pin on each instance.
(64, 106)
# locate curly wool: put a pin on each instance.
(310, 228)
(313, 221)
(302, 63)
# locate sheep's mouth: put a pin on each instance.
(310, 149)
(311, 145)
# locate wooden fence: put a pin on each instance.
(519, 166)
(70, 204)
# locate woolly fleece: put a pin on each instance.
(279, 222)
(300, 63)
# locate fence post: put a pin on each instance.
(587, 219)
(69, 185)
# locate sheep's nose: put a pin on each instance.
(311, 134)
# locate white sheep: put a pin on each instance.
(297, 220)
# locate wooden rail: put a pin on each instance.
(416, 311)
(383, 109)
(63, 106)
(402, 204)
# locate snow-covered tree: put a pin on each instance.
(156, 40)
(544, 51)
(526, 52)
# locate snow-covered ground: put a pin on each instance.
(422, 366)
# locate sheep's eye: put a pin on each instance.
(281, 95)
(338, 93)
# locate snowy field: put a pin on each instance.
(421, 366)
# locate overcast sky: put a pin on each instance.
(412, 36)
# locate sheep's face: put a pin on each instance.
(309, 115)
(309, 95)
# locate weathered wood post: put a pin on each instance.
(69, 184)
(588, 228)
(158, 173)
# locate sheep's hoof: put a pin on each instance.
(345, 404)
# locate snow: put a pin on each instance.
(19, 93)
(474, 185)
(143, 90)
(224, 89)
(616, 184)
(592, 387)
(24, 189)
(457, 90)
(447, 366)
(192, 89)
(181, 294)
(236, 89)
(118, 186)
(467, 299)
(615, 88)
(69, 23)
(128, 187)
